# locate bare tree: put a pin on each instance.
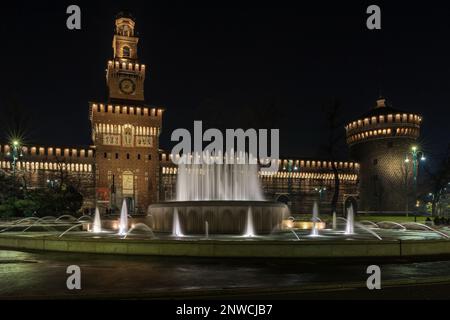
(334, 144)
(438, 179)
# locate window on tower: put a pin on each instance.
(126, 52)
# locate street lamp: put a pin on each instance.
(15, 155)
(414, 156)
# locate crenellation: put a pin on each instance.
(292, 166)
(98, 108)
(132, 67)
(400, 119)
(48, 166)
(49, 152)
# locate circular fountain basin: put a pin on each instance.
(223, 217)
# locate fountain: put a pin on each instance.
(222, 195)
(286, 241)
(250, 228)
(350, 225)
(315, 219)
(97, 226)
(176, 225)
(123, 221)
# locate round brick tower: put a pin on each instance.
(380, 140)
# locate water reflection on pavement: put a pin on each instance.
(41, 275)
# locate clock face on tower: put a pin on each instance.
(127, 86)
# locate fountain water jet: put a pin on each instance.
(295, 234)
(350, 226)
(25, 220)
(427, 228)
(205, 180)
(72, 227)
(140, 226)
(84, 218)
(373, 224)
(97, 226)
(315, 219)
(176, 226)
(123, 221)
(250, 228)
(70, 217)
(38, 221)
(390, 222)
(361, 226)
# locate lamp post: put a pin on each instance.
(15, 156)
(414, 155)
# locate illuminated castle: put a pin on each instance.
(125, 162)
(380, 141)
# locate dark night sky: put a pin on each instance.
(208, 61)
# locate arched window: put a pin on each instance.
(126, 52)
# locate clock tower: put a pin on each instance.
(124, 80)
(125, 130)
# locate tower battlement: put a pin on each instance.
(381, 123)
(116, 65)
(99, 108)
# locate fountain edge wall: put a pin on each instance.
(223, 217)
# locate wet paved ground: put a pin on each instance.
(41, 275)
